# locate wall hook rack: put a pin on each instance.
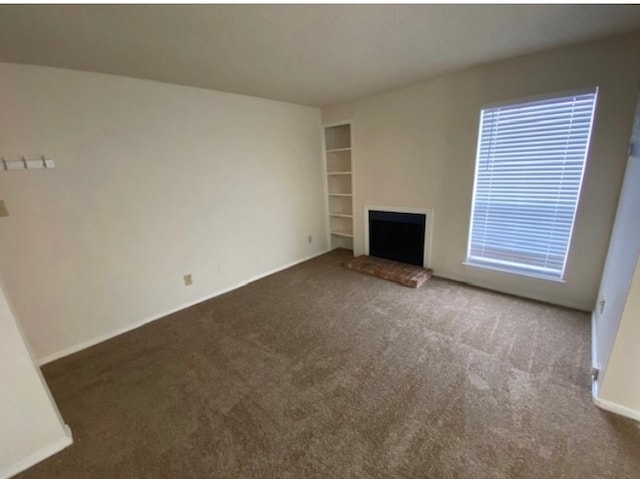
(27, 164)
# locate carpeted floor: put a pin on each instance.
(322, 372)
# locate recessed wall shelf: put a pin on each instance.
(337, 143)
(342, 233)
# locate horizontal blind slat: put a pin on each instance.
(529, 170)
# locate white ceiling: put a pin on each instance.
(309, 54)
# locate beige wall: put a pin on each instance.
(30, 426)
(416, 146)
(152, 181)
(621, 384)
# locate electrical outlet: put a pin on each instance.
(310, 239)
(3, 209)
(188, 280)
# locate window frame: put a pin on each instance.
(517, 101)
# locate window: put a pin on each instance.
(529, 169)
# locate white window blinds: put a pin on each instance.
(529, 170)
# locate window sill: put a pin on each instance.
(517, 273)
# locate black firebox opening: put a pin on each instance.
(397, 236)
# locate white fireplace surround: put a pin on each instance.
(402, 209)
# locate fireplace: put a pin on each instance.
(397, 234)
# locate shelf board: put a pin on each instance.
(340, 215)
(340, 194)
(335, 150)
(331, 173)
(342, 233)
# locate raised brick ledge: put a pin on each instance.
(402, 273)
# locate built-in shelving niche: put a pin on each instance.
(340, 184)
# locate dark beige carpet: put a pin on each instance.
(321, 372)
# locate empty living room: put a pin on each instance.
(320, 241)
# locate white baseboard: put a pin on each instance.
(566, 304)
(617, 408)
(112, 334)
(278, 269)
(38, 456)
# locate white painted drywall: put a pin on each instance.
(619, 268)
(152, 181)
(621, 383)
(416, 147)
(30, 425)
